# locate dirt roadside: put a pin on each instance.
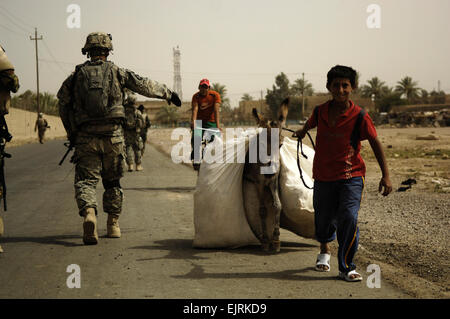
(406, 233)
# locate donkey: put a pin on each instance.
(260, 188)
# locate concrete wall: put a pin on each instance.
(21, 126)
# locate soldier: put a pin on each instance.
(41, 125)
(147, 125)
(8, 83)
(133, 141)
(91, 108)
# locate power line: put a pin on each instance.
(17, 18)
(13, 31)
(14, 22)
(54, 59)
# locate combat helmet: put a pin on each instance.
(5, 64)
(130, 101)
(100, 40)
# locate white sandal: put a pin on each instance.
(346, 276)
(323, 260)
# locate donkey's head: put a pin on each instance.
(268, 142)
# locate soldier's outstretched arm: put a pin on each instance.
(148, 87)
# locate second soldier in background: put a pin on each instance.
(144, 130)
(134, 123)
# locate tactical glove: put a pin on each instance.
(175, 99)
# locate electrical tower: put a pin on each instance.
(177, 72)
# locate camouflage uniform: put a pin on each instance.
(144, 130)
(41, 126)
(99, 138)
(9, 82)
(132, 131)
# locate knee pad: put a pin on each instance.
(111, 184)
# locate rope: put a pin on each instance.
(300, 145)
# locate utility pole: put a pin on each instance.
(439, 86)
(35, 39)
(261, 102)
(303, 95)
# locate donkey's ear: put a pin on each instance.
(284, 108)
(256, 115)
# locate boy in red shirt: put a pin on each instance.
(339, 170)
(205, 114)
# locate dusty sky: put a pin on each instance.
(242, 44)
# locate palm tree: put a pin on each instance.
(301, 87)
(407, 87)
(222, 90)
(374, 87)
(246, 97)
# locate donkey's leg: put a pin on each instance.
(273, 204)
(252, 208)
(265, 240)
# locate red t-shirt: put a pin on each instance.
(335, 158)
(206, 105)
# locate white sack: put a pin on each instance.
(219, 215)
(296, 199)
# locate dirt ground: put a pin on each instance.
(406, 233)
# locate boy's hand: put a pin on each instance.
(300, 134)
(385, 183)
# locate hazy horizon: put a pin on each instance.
(240, 44)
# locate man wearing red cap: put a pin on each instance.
(205, 108)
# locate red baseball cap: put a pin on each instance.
(204, 81)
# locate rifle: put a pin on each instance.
(69, 146)
(5, 137)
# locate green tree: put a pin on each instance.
(408, 88)
(27, 101)
(222, 90)
(167, 114)
(374, 87)
(424, 96)
(387, 101)
(301, 86)
(225, 108)
(279, 92)
(437, 97)
(246, 97)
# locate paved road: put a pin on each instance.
(154, 257)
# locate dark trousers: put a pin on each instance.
(197, 136)
(336, 206)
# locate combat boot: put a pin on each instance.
(112, 226)
(139, 167)
(90, 236)
(131, 167)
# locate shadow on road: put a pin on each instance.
(50, 240)
(182, 249)
(168, 189)
(198, 272)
